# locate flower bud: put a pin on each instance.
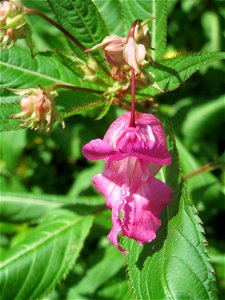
(142, 35)
(12, 23)
(113, 50)
(38, 109)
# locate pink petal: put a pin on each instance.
(142, 209)
(97, 149)
(107, 40)
(134, 54)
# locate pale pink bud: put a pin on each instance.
(134, 54)
(38, 109)
(12, 23)
(113, 50)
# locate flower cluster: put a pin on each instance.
(38, 109)
(12, 22)
(125, 53)
(133, 156)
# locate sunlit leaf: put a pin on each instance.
(39, 263)
(175, 265)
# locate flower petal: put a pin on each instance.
(97, 149)
(142, 209)
(134, 54)
(107, 40)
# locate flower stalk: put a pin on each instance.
(59, 27)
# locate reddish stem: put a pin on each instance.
(132, 113)
(64, 31)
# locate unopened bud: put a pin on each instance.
(142, 35)
(38, 109)
(148, 79)
(12, 23)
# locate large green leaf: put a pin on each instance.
(113, 16)
(28, 207)
(38, 264)
(172, 72)
(175, 265)
(20, 70)
(81, 19)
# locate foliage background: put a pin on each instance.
(37, 164)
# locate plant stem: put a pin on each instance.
(64, 31)
(132, 113)
(133, 79)
(76, 88)
(207, 167)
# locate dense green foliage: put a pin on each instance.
(53, 222)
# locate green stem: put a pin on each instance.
(76, 88)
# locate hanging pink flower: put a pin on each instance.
(133, 156)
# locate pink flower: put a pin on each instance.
(133, 156)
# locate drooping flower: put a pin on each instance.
(120, 51)
(38, 109)
(133, 156)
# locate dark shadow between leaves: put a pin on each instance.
(85, 210)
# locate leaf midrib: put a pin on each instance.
(36, 74)
(30, 201)
(34, 246)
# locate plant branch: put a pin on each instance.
(64, 31)
(76, 88)
(205, 168)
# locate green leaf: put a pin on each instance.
(114, 21)
(82, 180)
(81, 19)
(171, 73)
(142, 9)
(204, 188)
(202, 119)
(100, 273)
(19, 70)
(119, 290)
(28, 207)
(175, 265)
(38, 264)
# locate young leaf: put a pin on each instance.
(175, 265)
(38, 264)
(171, 73)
